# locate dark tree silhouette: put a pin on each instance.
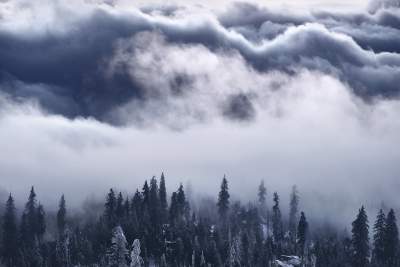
(391, 240)
(378, 251)
(223, 200)
(9, 235)
(277, 227)
(293, 213)
(360, 240)
(61, 216)
(163, 200)
(302, 231)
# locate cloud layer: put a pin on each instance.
(59, 54)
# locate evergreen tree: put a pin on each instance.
(154, 202)
(379, 238)
(9, 235)
(277, 227)
(234, 253)
(163, 200)
(41, 223)
(32, 229)
(136, 260)
(110, 209)
(262, 194)
(182, 203)
(391, 240)
(119, 209)
(223, 200)
(173, 209)
(118, 252)
(302, 231)
(146, 194)
(137, 203)
(360, 240)
(61, 216)
(262, 201)
(294, 207)
(31, 223)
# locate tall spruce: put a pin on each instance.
(391, 240)
(293, 214)
(378, 255)
(119, 208)
(110, 210)
(262, 201)
(118, 254)
(360, 240)
(61, 216)
(262, 194)
(163, 200)
(183, 204)
(302, 231)
(146, 195)
(31, 223)
(154, 202)
(223, 200)
(277, 227)
(41, 222)
(9, 235)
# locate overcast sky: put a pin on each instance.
(99, 94)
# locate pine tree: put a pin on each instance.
(137, 203)
(118, 253)
(223, 200)
(379, 238)
(119, 209)
(391, 239)
(302, 231)
(277, 228)
(360, 240)
(41, 223)
(294, 207)
(173, 209)
(262, 201)
(63, 254)
(110, 209)
(234, 253)
(146, 194)
(163, 200)
(154, 202)
(61, 216)
(136, 260)
(31, 217)
(9, 235)
(32, 228)
(262, 194)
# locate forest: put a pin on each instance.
(154, 228)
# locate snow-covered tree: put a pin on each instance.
(118, 253)
(136, 260)
(234, 253)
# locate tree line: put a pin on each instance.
(146, 229)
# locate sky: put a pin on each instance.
(99, 94)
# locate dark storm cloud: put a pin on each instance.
(239, 107)
(66, 72)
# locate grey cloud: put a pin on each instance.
(65, 71)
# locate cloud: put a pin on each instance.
(61, 60)
(312, 132)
